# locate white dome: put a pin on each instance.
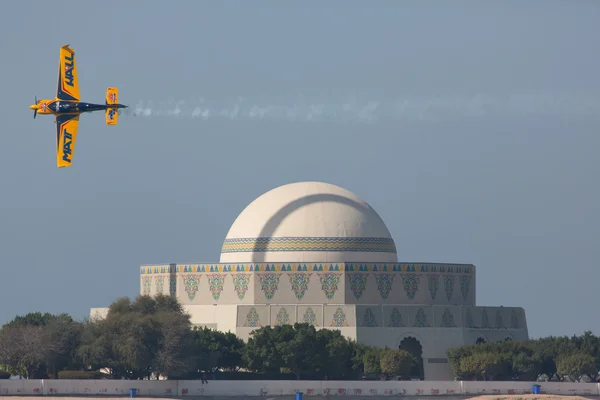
(308, 222)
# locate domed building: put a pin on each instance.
(316, 253)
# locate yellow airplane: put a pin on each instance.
(67, 108)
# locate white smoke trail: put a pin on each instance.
(435, 108)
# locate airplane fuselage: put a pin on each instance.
(66, 107)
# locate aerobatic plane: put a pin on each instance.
(67, 107)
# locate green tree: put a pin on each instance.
(372, 361)
(298, 348)
(303, 350)
(31, 319)
(336, 358)
(261, 353)
(397, 363)
(525, 367)
(481, 365)
(65, 335)
(217, 350)
(137, 339)
(295, 348)
(58, 334)
(575, 365)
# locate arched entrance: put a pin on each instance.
(413, 346)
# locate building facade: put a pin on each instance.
(314, 252)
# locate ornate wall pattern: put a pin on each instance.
(252, 319)
(375, 283)
(339, 318)
(283, 317)
(384, 284)
(433, 282)
(269, 284)
(396, 320)
(299, 282)
(147, 285)
(191, 285)
(310, 317)
(240, 284)
(358, 283)
(421, 319)
(290, 244)
(216, 284)
(369, 320)
(465, 285)
(447, 319)
(360, 316)
(410, 282)
(449, 286)
(159, 282)
(329, 283)
(444, 269)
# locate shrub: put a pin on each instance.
(81, 375)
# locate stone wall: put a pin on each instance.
(268, 389)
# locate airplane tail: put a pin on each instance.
(112, 98)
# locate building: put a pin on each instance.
(314, 252)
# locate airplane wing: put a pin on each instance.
(66, 135)
(68, 80)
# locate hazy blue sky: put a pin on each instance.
(501, 171)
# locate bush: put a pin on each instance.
(4, 375)
(81, 375)
(249, 376)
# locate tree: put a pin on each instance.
(296, 348)
(23, 348)
(396, 363)
(525, 367)
(217, 350)
(299, 348)
(151, 335)
(481, 365)
(31, 319)
(261, 353)
(337, 356)
(65, 336)
(576, 365)
(303, 350)
(372, 361)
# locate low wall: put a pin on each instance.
(193, 388)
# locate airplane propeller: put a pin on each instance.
(35, 111)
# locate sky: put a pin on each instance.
(470, 127)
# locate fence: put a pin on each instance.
(166, 388)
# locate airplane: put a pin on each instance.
(67, 107)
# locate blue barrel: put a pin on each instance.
(132, 392)
(299, 395)
(537, 389)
